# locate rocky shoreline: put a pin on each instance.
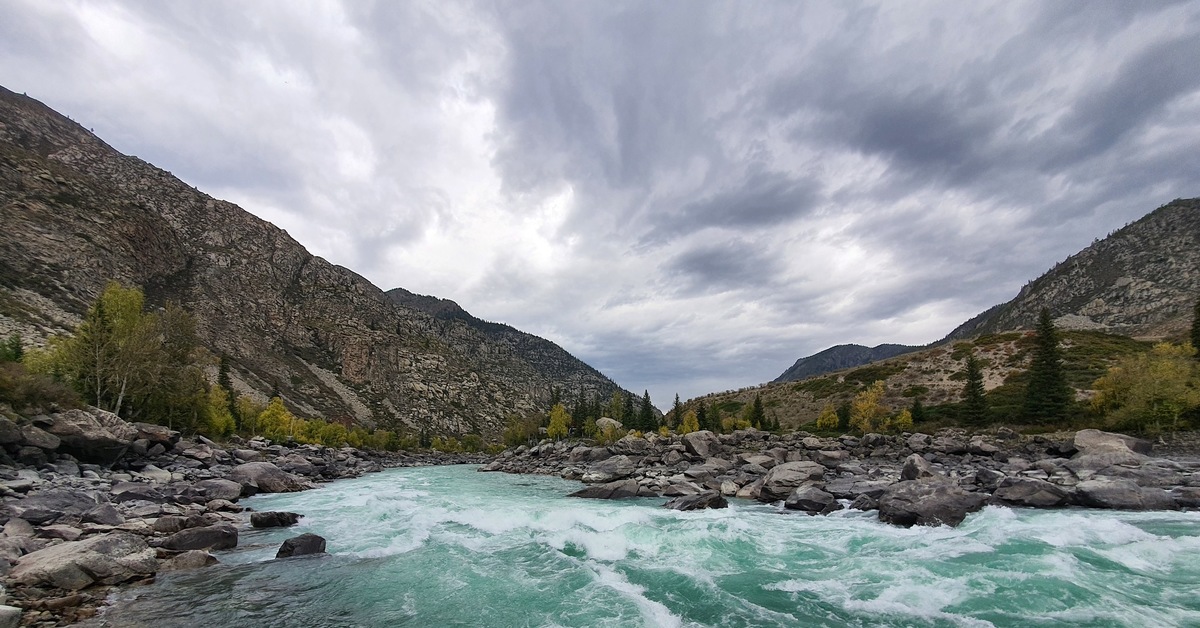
(910, 479)
(90, 502)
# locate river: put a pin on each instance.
(447, 546)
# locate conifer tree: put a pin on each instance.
(974, 402)
(646, 420)
(702, 416)
(1196, 328)
(628, 416)
(917, 410)
(676, 411)
(757, 417)
(1048, 395)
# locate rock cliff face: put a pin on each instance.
(1141, 280)
(77, 213)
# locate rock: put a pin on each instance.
(1119, 494)
(104, 514)
(17, 527)
(699, 501)
(609, 423)
(220, 489)
(916, 467)
(191, 559)
(10, 616)
(301, 545)
(10, 433)
(1029, 492)
(156, 475)
(852, 488)
(618, 489)
(918, 441)
(264, 477)
(135, 491)
(927, 502)
(59, 531)
(156, 434)
(222, 505)
(218, 537)
(864, 503)
(272, 519)
(1096, 441)
(34, 436)
(85, 437)
(766, 462)
(248, 455)
(611, 469)
(752, 490)
(51, 505)
(589, 454)
(812, 500)
(631, 445)
(105, 559)
(782, 479)
(703, 443)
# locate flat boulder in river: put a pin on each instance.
(614, 468)
(264, 477)
(304, 544)
(782, 479)
(617, 489)
(699, 501)
(106, 559)
(218, 537)
(928, 502)
(273, 519)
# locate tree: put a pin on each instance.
(11, 350)
(218, 420)
(715, 424)
(1196, 328)
(1047, 396)
(628, 417)
(616, 407)
(754, 413)
(560, 422)
(974, 402)
(689, 423)
(224, 381)
(276, 422)
(903, 421)
(1150, 391)
(702, 416)
(828, 419)
(867, 412)
(676, 411)
(917, 411)
(646, 420)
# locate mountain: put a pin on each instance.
(840, 357)
(1142, 280)
(77, 214)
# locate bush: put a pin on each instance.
(24, 390)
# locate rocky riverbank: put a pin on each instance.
(90, 502)
(910, 479)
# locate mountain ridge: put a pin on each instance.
(78, 213)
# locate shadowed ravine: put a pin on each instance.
(447, 546)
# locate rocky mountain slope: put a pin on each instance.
(840, 357)
(77, 213)
(1141, 280)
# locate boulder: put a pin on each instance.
(105, 559)
(191, 559)
(264, 477)
(34, 436)
(51, 505)
(703, 443)
(156, 475)
(10, 616)
(10, 433)
(86, 438)
(864, 503)
(611, 469)
(699, 501)
(1120, 494)
(218, 537)
(135, 491)
(156, 434)
(631, 445)
(1029, 492)
(609, 423)
(618, 489)
(301, 545)
(220, 489)
(782, 479)
(916, 467)
(103, 514)
(1096, 441)
(812, 500)
(928, 503)
(273, 519)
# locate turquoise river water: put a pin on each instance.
(447, 546)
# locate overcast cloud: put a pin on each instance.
(686, 195)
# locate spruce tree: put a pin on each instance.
(676, 411)
(757, 416)
(646, 420)
(628, 418)
(974, 403)
(1196, 329)
(917, 410)
(1048, 395)
(702, 416)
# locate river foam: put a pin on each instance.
(448, 546)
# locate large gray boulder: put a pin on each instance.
(927, 503)
(34, 436)
(812, 500)
(782, 479)
(215, 537)
(106, 559)
(307, 543)
(618, 489)
(220, 489)
(703, 443)
(609, 423)
(51, 505)
(274, 519)
(611, 469)
(699, 501)
(916, 467)
(1096, 441)
(264, 477)
(84, 436)
(1122, 494)
(1029, 492)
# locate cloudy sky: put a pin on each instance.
(687, 195)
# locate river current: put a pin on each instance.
(447, 546)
